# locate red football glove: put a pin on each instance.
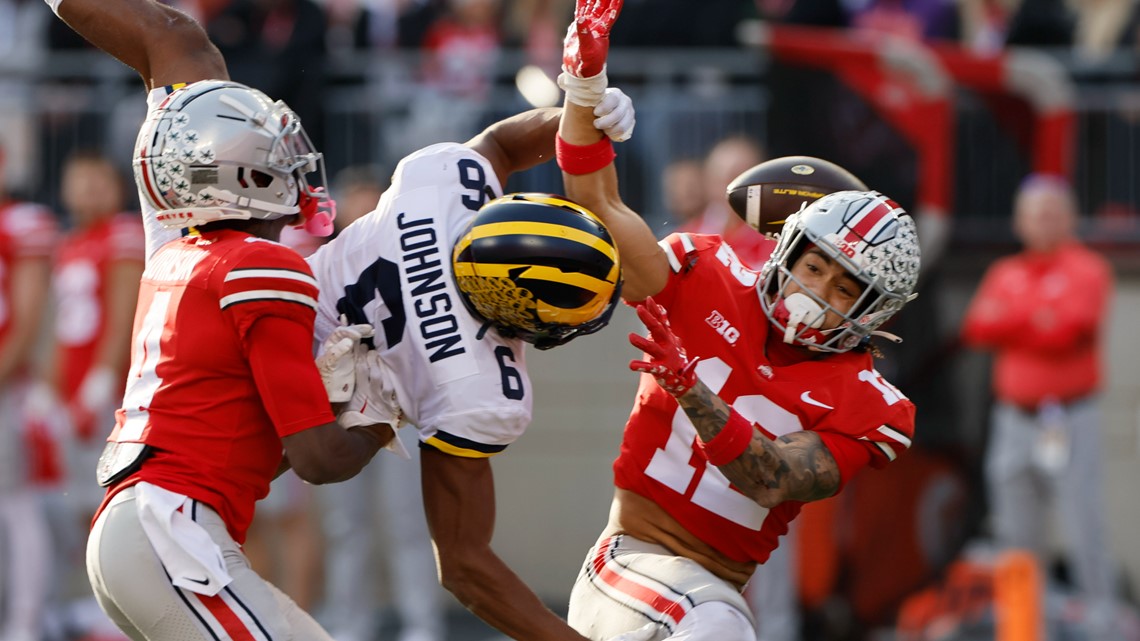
(587, 40)
(674, 372)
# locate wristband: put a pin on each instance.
(54, 4)
(577, 160)
(731, 442)
(586, 92)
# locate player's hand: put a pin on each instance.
(615, 115)
(669, 364)
(587, 40)
(374, 395)
(337, 358)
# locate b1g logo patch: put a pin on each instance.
(717, 321)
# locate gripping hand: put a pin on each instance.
(337, 356)
(668, 363)
(615, 115)
(587, 40)
(374, 395)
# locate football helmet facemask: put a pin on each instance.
(539, 268)
(217, 150)
(872, 238)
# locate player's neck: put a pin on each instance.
(782, 354)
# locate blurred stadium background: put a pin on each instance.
(943, 119)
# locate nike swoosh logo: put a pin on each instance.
(205, 581)
(806, 397)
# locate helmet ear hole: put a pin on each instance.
(260, 178)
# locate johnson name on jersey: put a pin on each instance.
(461, 384)
(714, 308)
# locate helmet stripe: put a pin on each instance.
(526, 211)
(544, 229)
(566, 255)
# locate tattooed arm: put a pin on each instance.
(794, 467)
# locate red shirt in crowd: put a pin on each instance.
(1041, 314)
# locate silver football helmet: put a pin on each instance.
(872, 238)
(216, 150)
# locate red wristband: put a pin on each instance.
(731, 442)
(577, 160)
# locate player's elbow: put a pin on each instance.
(317, 471)
(459, 575)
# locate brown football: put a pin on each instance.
(765, 195)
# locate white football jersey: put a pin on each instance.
(464, 387)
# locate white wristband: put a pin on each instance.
(54, 4)
(587, 92)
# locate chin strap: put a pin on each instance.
(798, 311)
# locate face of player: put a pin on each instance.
(827, 279)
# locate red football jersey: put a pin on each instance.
(79, 283)
(714, 308)
(26, 231)
(214, 421)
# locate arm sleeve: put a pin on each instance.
(850, 454)
(286, 378)
(682, 250)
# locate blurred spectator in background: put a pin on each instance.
(27, 237)
(95, 279)
(675, 23)
(1041, 312)
(378, 24)
(1104, 27)
(988, 26)
(683, 190)
(459, 54)
(277, 46)
(912, 19)
(385, 496)
(726, 160)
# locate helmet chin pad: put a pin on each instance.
(801, 316)
(318, 211)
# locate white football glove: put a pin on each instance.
(374, 400)
(374, 395)
(337, 358)
(615, 115)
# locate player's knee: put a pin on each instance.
(714, 621)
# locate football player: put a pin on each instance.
(457, 278)
(222, 377)
(28, 234)
(760, 394)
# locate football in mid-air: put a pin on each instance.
(765, 195)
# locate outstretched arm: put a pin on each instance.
(519, 142)
(459, 500)
(645, 268)
(796, 467)
(163, 44)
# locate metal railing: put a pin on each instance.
(375, 108)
